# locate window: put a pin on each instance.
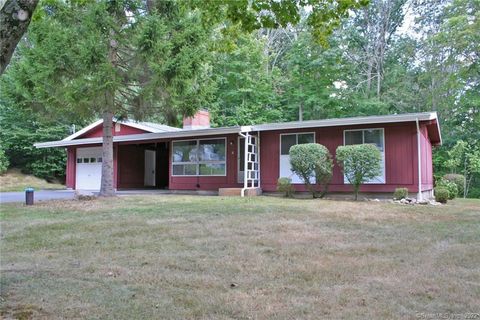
(372, 136)
(286, 142)
(206, 157)
(89, 160)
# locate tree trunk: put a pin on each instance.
(107, 187)
(467, 186)
(355, 189)
(379, 81)
(15, 16)
(300, 112)
(369, 78)
(465, 190)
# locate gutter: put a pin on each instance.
(245, 158)
(146, 136)
(419, 157)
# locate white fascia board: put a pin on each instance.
(177, 134)
(143, 137)
(438, 128)
(84, 130)
(346, 121)
(66, 143)
(146, 127)
(127, 123)
(246, 129)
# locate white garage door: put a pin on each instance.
(89, 168)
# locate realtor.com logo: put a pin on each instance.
(447, 315)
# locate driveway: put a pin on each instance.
(40, 195)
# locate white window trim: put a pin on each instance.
(384, 172)
(296, 134)
(197, 163)
(296, 142)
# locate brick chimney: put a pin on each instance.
(201, 120)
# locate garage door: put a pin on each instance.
(89, 168)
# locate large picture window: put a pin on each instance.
(372, 136)
(286, 142)
(205, 157)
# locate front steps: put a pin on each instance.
(236, 192)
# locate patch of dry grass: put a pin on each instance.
(15, 180)
(176, 257)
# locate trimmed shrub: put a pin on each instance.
(360, 163)
(3, 161)
(458, 179)
(400, 193)
(284, 185)
(441, 194)
(450, 186)
(312, 161)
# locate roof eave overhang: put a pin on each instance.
(426, 116)
(346, 122)
(145, 137)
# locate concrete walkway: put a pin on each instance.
(41, 195)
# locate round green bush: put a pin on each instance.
(285, 185)
(360, 163)
(441, 194)
(458, 179)
(450, 186)
(400, 193)
(313, 163)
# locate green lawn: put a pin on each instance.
(176, 257)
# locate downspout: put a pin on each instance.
(258, 155)
(245, 157)
(419, 196)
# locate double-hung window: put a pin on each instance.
(202, 157)
(286, 142)
(372, 136)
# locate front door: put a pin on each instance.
(150, 159)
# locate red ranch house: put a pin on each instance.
(197, 157)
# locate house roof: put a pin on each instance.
(171, 132)
(145, 126)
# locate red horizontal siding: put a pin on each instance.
(71, 167)
(400, 157)
(401, 165)
(426, 157)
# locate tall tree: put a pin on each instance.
(128, 57)
(247, 88)
(115, 58)
(369, 35)
(15, 16)
(313, 75)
